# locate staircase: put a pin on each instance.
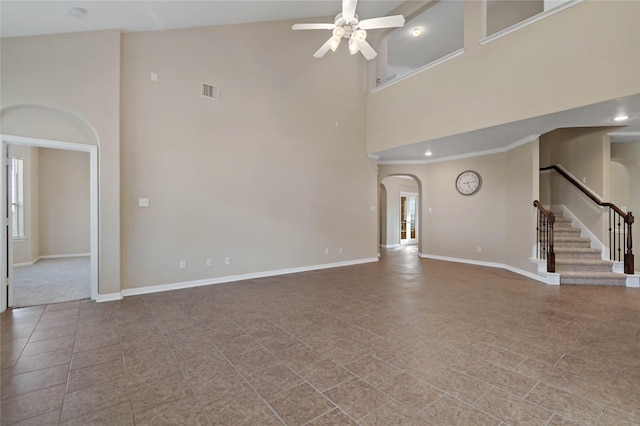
(578, 263)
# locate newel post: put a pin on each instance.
(551, 255)
(628, 256)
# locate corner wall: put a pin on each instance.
(499, 218)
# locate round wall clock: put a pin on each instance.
(468, 182)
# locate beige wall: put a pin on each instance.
(499, 218)
(67, 87)
(27, 250)
(64, 216)
(394, 186)
(585, 154)
(262, 176)
(522, 165)
(555, 64)
(628, 155)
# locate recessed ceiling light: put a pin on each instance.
(428, 153)
(77, 12)
(621, 118)
(416, 32)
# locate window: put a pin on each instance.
(17, 197)
(432, 35)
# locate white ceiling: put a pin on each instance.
(22, 18)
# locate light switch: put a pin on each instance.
(143, 202)
(154, 76)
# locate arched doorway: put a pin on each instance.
(27, 126)
(399, 211)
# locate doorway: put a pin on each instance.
(408, 219)
(85, 259)
(399, 198)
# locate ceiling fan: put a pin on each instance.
(348, 25)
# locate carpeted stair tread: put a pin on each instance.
(583, 265)
(592, 278)
(583, 252)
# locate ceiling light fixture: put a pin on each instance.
(77, 12)
(334, 43)
(428, 153)
(621, 118)
(416, 32)
(353, 46)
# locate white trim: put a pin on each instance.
(541, 278)
(633, 281)
(31, 263)
(418, 70)
(63, 256)
(109, 297)
(232, 278)
(528, 21)
(93, 196)
(505, 148)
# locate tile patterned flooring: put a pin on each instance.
(404, 341)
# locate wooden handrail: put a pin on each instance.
(627, 216)
(586, 191)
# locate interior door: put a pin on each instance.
(5, 250)
(408, 218)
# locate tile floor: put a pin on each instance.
(403, 341)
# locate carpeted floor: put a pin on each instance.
(52, 281)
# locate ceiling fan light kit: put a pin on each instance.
(348, 25)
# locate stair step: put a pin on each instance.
(571, 241)
(566, 230)
(583, 265)
(562, 222)
(577, 253)
(592, 278)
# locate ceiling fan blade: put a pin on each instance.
(313, 26)
(349, 8)
(323, 49)
(366, 50)
(383, 22)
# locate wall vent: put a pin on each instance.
(210, 91)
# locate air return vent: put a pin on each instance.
(210, 91)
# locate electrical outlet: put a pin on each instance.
(326, 251)
(143, 202)
(209, 262)
(479, 249)
(340, 250)
(182, 264)
(227, 261)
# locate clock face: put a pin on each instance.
(468, 182)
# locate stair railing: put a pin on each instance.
(544, 233)
(620, 236)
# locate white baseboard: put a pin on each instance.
(62, 256)
(241, 277)
(31, 263)
(389, 245)
(518, 271)
(109, 297)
